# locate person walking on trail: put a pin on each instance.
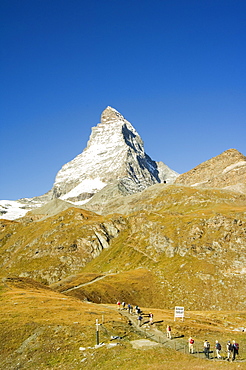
(129, 308)
(217, 348)
(206, 347)
(123, 305)
(118, 304)
(151, 318)
(191, 343)
(235, 349)
(169, 335)
(229, 349)
(139, 320)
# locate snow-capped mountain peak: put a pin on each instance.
(114, 151)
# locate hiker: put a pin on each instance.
(229, 349)
(217, 349)
(139, 320)
(169, 332)
(136, 309)
(190, 343)
(206, 347)
(123, 305)
(151, 318)
(129, 308)
(235, 348)
(118, 304)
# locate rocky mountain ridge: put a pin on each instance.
(225, 171)
(114, 152)
(115, 165)
(114, 156)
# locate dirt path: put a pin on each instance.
(88, 283)
(151, 332)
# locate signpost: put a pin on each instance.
(97, 331)
(179, 312)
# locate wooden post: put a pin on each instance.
(97, 331)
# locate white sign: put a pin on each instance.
(179, 312)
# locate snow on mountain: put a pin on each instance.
(114, 154)
(86, 186)
(114, 151)
(13, 209)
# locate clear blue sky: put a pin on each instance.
(175, 69)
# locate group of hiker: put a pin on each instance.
(136, 310)
(232, 349)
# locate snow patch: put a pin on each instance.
(87, 186)
(234, 165)
(11, 209)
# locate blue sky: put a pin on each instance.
(174, 69)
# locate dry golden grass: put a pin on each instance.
(43, 329)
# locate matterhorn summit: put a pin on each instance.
(114, 159)
(114, 152)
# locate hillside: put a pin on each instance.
(43, 329)
(167, 245)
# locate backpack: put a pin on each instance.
(218, 346)
(230, 347)
(191, 341)
(236, 346)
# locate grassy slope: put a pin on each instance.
(43, 329)
(199, 279)
(49, 249)
(185, 239)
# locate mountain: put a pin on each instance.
(114, 158)
(143, 236)
(226, 171)
(114, 154)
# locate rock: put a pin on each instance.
(114, 154)
(226, 171)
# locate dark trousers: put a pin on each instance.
(234, 353)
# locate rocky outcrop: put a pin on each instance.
(47, 250)
(114, 152)
(226, 171)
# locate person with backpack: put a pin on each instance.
(140, 320)
(151, 318)
(229, 349)
(217, 349)
(169, 332)
(206, 346)
(190, 343)
(235, 349)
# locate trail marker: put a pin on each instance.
(179, 312)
